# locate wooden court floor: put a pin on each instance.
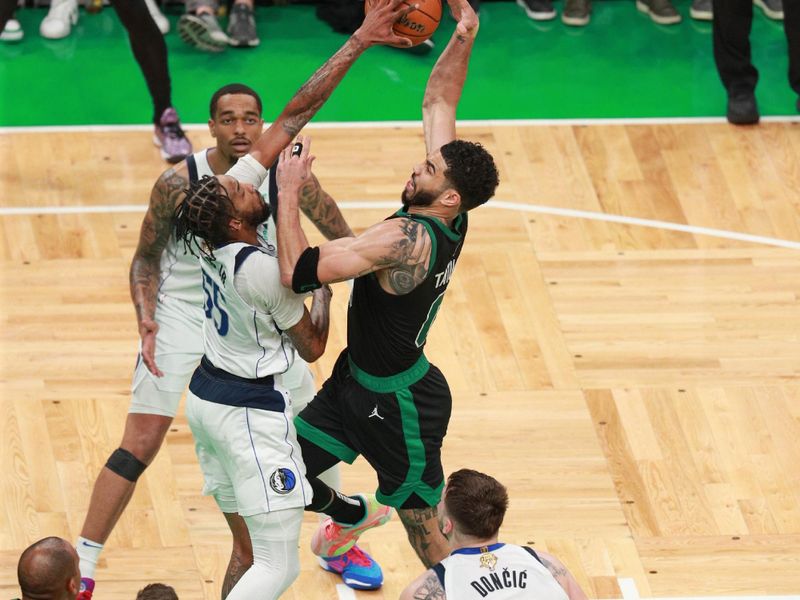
(637, 389)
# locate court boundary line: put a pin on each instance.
(570, 122)
(629, 591)
(499, 204)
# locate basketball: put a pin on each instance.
(419, 24)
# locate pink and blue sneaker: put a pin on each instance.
(87, 588)
(357, 568)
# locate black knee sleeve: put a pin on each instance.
(125, 464)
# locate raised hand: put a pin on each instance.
(294, 170)
(147, 331)
(468, 22)
(377, 25)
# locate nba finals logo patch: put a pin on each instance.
(282, 481)
(488, 560)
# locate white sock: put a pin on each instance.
(89, 553)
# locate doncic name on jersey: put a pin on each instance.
(494, 582)
(282, 480)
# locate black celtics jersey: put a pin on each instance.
(386, 333)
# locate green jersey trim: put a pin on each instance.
(449, 232)
(392, 383)
(326, 442)
(415, 448)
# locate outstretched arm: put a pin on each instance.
(402, 246)
(146, 264)
(447, 79)
(322, 210)
(376, 29)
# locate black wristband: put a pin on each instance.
(304, 278)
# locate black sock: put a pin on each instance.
(342, 509)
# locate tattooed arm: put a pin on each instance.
(422, 527)
(562, 576)
(322, 210)
(376, 29)
(447, 79)
(425, 587)
(146, 264)
(398, 249)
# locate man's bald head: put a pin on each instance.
(48, 570)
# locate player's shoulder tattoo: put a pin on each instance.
(158, 222)
(430, 589)
(408, 256)
(169, 188)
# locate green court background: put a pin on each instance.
(621, 65)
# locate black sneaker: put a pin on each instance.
(661, 11)
(576, 12)
(742, 108)
(242, 27)
(202, 31)
(538, 10)
(772, 8)
(701, 10)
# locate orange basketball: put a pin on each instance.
(419, 24)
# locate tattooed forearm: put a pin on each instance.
(321, 210)
(314, 92)
(153, 238)
(430, 589)
(556, 570)
(236, 568)
(423, 533)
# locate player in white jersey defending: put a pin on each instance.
(168, 295)
(470, 515)
(238, 409)
(156, 398)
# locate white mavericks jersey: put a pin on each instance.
(180, 270)
(245, 337)
(500, 571)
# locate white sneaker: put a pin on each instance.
(59, 21)
(158, 17)
(12, 32)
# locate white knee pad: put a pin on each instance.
(276, 561)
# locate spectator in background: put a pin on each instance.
(701, 10)
(773, 9)
(199, 26)
(731, 31)
(49, 569)
(10, 29)
(660, 11)
(157, 591)
(150, 53)
(538, 10)
(63, 15)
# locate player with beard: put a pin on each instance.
(384, 400)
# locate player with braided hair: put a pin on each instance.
(202, 217)
(171, 305)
